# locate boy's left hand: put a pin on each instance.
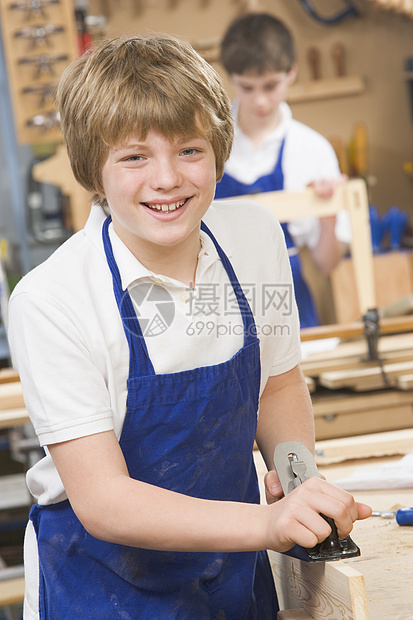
(273, 489)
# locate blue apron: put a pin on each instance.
(228, 186)
(191, 432)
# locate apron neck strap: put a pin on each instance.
(250, 331)
(131, 325)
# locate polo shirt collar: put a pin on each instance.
(131, 269)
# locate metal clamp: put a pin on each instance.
(43, 63)
(32, 7)
(45, 122)
(38, 34)
(45, 92)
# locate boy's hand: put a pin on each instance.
(296, 519)
(273, 489)
(325, 189)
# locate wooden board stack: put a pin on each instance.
(353, 396)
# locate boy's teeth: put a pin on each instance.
(167, 208)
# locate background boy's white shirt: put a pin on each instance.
(307, 157)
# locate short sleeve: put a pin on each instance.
(64, 390)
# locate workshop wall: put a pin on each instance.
(376, 45)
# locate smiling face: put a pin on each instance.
(260, 95)
(158, 189)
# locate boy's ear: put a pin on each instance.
(292, 74)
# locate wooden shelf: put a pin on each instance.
(327, 89)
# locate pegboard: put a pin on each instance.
(39, 39)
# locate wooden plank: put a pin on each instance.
(324, 590)
(352, 196)
(392, 282)
(364, 446)
(361, 246)
(12, 591)
(14, 417)
(394, 348)
(393, 325)
(326, 89)
(340, 414)
(370, 378)
(289, 206)
(405, 382)
(56, 170)
(293, 614)
(363, 422)
(310, 383)
(340, 402)
(11, 395)
(8, 374)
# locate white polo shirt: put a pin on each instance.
(307, 157)
(70, 349)
(69, 345)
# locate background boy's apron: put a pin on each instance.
(190, 432)
(274, 181)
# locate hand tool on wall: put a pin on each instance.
(84, 37)
(341, 153)
(33, 8)
(38, 35)
(404, 516)
(360, 148)
(294, 464)
(338, 52)
(314, 61)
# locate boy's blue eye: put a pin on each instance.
(189, 151)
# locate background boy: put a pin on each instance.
(148, 486)
(272, 151)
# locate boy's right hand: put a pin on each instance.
(296, 518)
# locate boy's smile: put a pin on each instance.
(158, 190)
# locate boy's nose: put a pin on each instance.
(260, 99)
(166, 175)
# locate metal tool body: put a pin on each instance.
(294, 464)
(403, 516)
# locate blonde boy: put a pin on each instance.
(147, 497)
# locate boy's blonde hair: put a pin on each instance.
(130, 85)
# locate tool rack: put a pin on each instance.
(39, 38)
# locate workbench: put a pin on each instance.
(386, 560)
